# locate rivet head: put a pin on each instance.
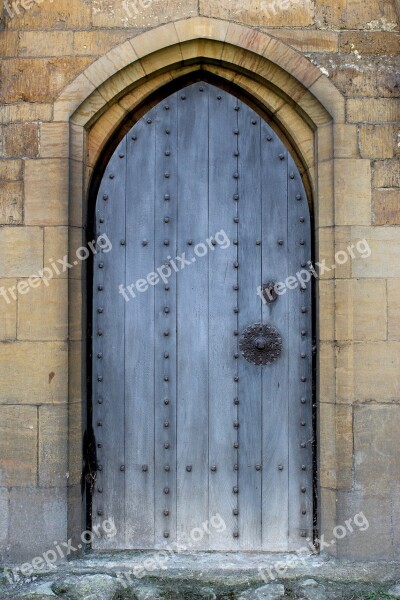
(303, 332)
(280, 242)
(166, 378)
(236, 242)
(166, 490)
(258, 467)
(166, 288)
(100, 378)
(189, 468)
(236, 424)
(235, 288)
(269, 138)
(236, 153)
(190, 243)
(167, 468)
(100, 445)
(302, 242)
(303, 309)
(236, 355)
(167, 131)
(303, 264)
(236, 467)
(166, 242)
(100, 333)
(291, 175)
(105, 197)
(201, 89)
(167, 197)
(236, 219)
(149, 121)
(167, 445)
(302, 445)
(235, 511)
(134, 137)
(303, 400)
(303, 534)
(236, 197)
(101, 265)
(236, 445)
(100, 490)
(166, 354)
(213, 468)
(303, 512)
(166, 401)
(235, 534)
(166, 219)
(280, 467)
(236, 131)
(166, 512)
(166, 310)
(101, 219)
(166, 424)
(303, 468)
(258, 242)
(122, 468)
(166, 534)
(236, 401)
(99, 423)
(99, 467)
(303, 489)
(100, 401)
(166, 107)
(112, 176)
(166, 333)
(145, 468)
(121, 155)
(236, 378)
(183, 96)
(303, 379)
(237, 108)
(303, 355)
(99, 355)
(236, 265)
(303, 423)
(236, 333)
(167, 175)
(219, 97)
(298, 196)
(122, 242)
(236, 175)
(302, 219)
(100, 512)
(235, 489)
(100, 310)
(281, 157)
(236, 310)
(145, 243)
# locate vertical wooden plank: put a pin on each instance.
(108, 351)
(222, 318)
(300, 368)
(249, 276)
(192, 299)
(165, 226)
(275, 249)
(140, 335)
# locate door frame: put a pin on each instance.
(300, 102)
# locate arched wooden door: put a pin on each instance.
(202, 392)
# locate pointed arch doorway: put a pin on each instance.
(202, 382)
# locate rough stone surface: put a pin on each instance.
(395, 591)
(271, 591)
(93, 587)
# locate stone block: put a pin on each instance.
(374, 539)
(38, 521)
(361, 310)
(327, 445)
(54, 140)
(393, 291)
(33, 373)
(21, 251)
(8, 44)
(21, 139)
(56, 249)
(386, 174)
(8, 312)
(142, 13)
(373, 110)
(376, 448)
(53, 446)
(353, 191)
(39, 79)
(326, 310)
(376, 141)
(18, 446)
(62, 14)
(327, 516)
(344, 446)
(324, 209)
(46, 43)
(384, 259)
(261, 13)
(306, 40)
(24, 112)
(355, 14)
(11, 198)
(43, 313)
(345, 141)
(10, 170)
(369, 42)
(46, 192)
(386, 206)
(326, 372)
(99, 42)
(76, 419)
(4, 518)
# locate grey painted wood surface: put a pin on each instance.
(199, 446)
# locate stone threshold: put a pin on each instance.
(159, 574)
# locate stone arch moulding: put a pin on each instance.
(100, 105)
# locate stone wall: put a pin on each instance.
(354, 44)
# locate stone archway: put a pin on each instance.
(300, 103)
